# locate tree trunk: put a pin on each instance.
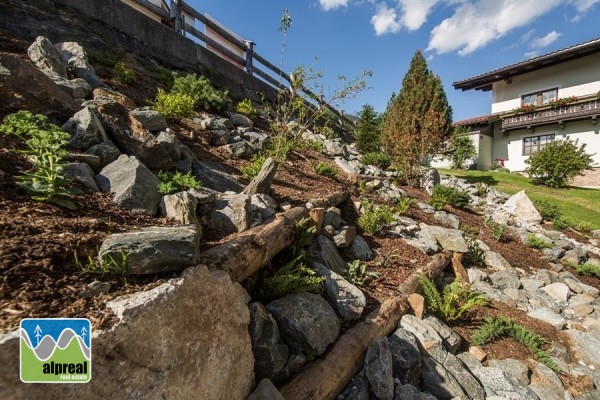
(330, 201)
(244, 255)
(326, 378)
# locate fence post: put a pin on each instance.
(249, 55)
(176, 15)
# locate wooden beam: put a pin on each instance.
(209, 23)
(272, 67)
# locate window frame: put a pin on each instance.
(528, 146)
(539, 97)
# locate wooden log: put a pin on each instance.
(244, 255)
(326, 378)
(459, 269)
(329, 201)
(317, 216)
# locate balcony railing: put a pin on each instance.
(553, 115)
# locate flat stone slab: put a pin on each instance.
(549, 316)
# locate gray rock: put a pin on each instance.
(219, 137)
(489, 291)
(378, 369)
(73, 55)
(359, 249)
(333, 217)
(241, 149)
(348, 167)
(77, 88)
(475, 274)
(357, 389)
(106, 151)
(557, 290)
(133, 186)
(349, 300)
(495, 261)
(541, 299)
(230, 214)
(469, 360)
(438, 380)
(425, 243)
(86, 128)
(447, 219)
(549, 316)
(95, 288)
(216, 123)
(255, 138)
(214, 176)
(265, 205)
(181, 207)
(45, 56)
(152, 250)
(450, 339)
(497, 383)
(270, 353)
(585, 345)
(406, 359)
(544, 376)
(505, 279)
(345, 237)
(409, 392)
(520, 206)
(431, 178)
(4, 71)
(575, 256)
(531, 284)
(334, 149)
(545, 392)
(265, 390)
(170, 142)
(449, 239)
(553, 254)
(426, 208)
(241, 120)
(90, 159)
(82, 173)
(151, 119)
(580, 287)
(262, 182)
(294, 363)
(457, 369)
(425, 334)
(323, 250)
(512, 367)
(306, 322)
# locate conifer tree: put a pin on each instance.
(368, 132)
(419, 121)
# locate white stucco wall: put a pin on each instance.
(510, 147)
(574, 78)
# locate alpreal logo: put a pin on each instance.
(56, 350)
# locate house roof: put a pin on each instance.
(473, 121)
(484, 81)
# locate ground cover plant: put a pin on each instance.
(452, 302)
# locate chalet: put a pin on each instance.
(550, 97)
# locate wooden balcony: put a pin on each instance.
(553, 115)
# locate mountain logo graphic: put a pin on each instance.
(56, 350)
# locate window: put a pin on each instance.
(534, 143)
(540, 98)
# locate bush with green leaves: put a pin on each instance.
(536, 242)
(462, 148)
(496, 327)
(588, 268)
(45, 151)
(246, 108)
(496, 229)
(315, 145)
(173, 105)
(403, 205)
(547, 210)
(561, 223)
(584, 227)
(443, 195)
(124, 74)
(357, 274)
(251, 170)
(173, 182)
(323, 168)
(374, 217)
(368, 131)
(453, 301)
(559, 162)
(380, 160)
(475, 257)
(202, 92)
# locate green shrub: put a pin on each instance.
(322, 168)
(559, 162)
(246, 108)
(378, 159)
(374, 217)
(443, 195)
(496, 327)
(315, 145)
(584, 227)
(403, 205)
(124, 74)
(160, 74)
(547, 210)
(475, 257)
(45, 151)
(173, 182)
(496, 229)
(561, 223)
(462, 148)
(481, 189)
(368, 131)
(538, 243)
(202, 92)
(454, 300)
(588, 268)
(173, 105)
(357, 274)
(251, 170)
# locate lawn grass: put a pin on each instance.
(576, 204)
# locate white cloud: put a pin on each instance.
(531, 54)
(541, 42)
(415, 12)
(584, 5)
(333, 4)
(385, 20)
(474, 25)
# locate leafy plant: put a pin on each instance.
(45, 151)
(251, 170)
(443, 195)
(384, 260)
(538, 243)
(107, 266)
(561, 223)
(495, 327)
(173, 105)
(374, 217)
(559, 162)
(475, 256)
(547, 210)
(172, 182)
(124, 74)
(462, 148)
(496, 229)
(378, 159)
(357, 274)
(584, 227)
(246, 108)
(201, 91)
(453, 301)
(404, 204)
(315, 145)
(524, 109)
(588, 268)
(481, 189)
(323, 168)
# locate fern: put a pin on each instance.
(293, 277)
(455, 300)
(496, 327)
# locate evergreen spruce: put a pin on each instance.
(368, 133)
(419, 121)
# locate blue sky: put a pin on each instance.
(460, 38)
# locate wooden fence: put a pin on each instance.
(254, 64)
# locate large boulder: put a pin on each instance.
(73, 55)
(523, 209)
(214, 176)
(323, 250)
(86, 128)
(349, 300)
(151, 119)
(270, 353)
(181, 206)
(306, 322)
(134, 186)
(152, 250)
(130, 136)
(230, 214)
(378, 369)
(107, 152)
(45, 56)
(449, 239)
(406, 358)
